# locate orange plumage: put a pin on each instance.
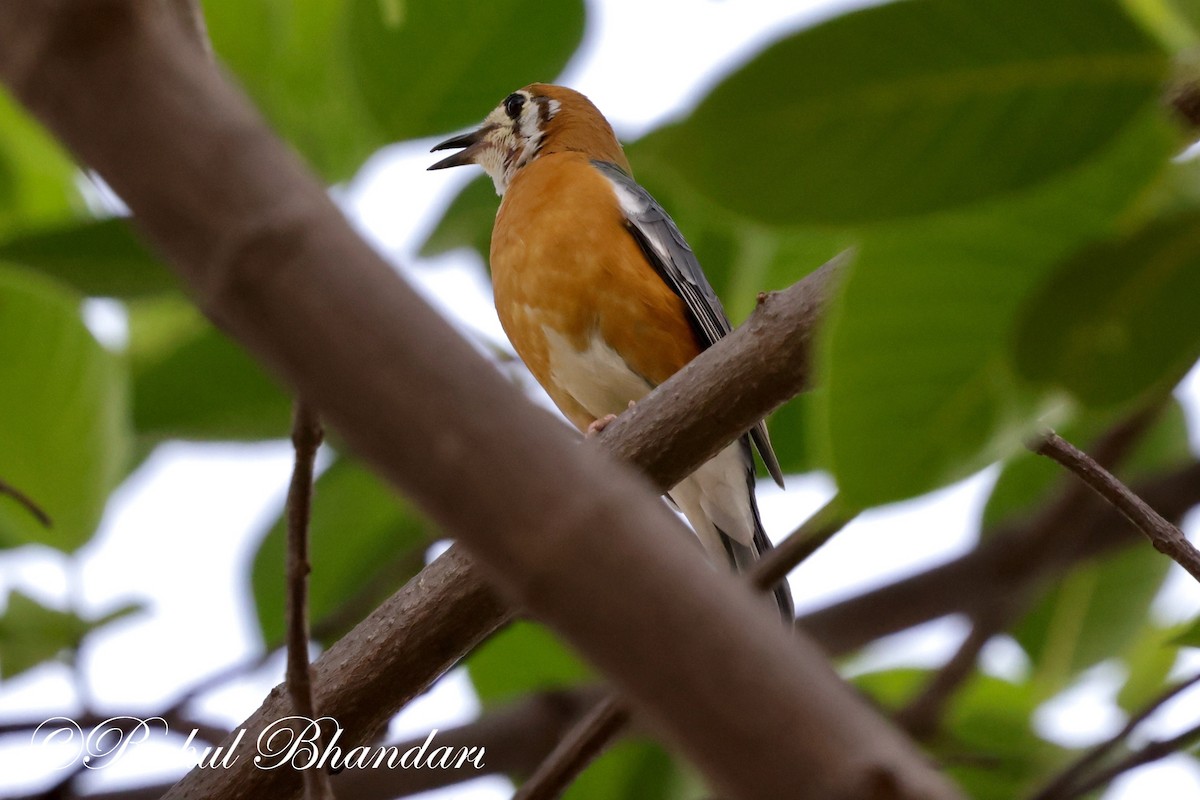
(600, 295)
(549, 241)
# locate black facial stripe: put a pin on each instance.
(543, 105)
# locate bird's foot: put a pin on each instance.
(598, 425)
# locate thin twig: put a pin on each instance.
(801, 543)
(1151, 752)
(592, 734)
(922, 715)
(582, 744)
(26, 501)
(1165, 537)
(306, 439)
(1071, 783)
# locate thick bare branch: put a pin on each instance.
(563, 530)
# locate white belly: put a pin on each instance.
(714, 496)
(598, 378)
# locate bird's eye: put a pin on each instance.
(513, 105)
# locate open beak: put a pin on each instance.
(471, 143)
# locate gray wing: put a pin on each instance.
(666, 249)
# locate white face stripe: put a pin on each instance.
(514, 143)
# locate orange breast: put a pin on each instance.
(564, 263)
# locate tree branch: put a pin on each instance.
(1001, 567)
(801, 543)
(516, 738)
(1166, 538)
(27, 502)
(1072, 782)
(922, 715)
(564, 531)
(581, 745)
(306, 440)
(584, 743)
(191, 16)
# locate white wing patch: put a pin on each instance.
(598, 378)
(633, 206)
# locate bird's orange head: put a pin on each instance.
(533, 122)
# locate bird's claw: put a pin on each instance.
(598, 425)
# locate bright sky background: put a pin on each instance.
(644, 62)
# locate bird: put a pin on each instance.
(601, 296)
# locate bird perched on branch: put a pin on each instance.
(601, 296)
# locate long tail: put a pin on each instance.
(742, 557)
(718, 500)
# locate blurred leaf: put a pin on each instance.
(294, 60)
(342, 78)
(364, 544)
(1176, 22)
(789, 428)
(32, 634)
(634, 768)
(522, 658)
(204, 387)
(1189, 636)
(97, 258)
(907, 108)
(1117, 320)
(160, 324)
(64, 417)
(914, 355)
(467, 221)
(987, 744)
(1028, 479)
(1092, 614)
(430, 66)
(37, 180)
(1149, 660)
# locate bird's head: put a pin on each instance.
(533, 122)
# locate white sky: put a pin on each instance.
(644, 62)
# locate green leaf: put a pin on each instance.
(64, 417)
(364, 544)
(294, 61)
(37, 179)
(32, 634)
(1176, 23)
(1116, 321)
(1092, 614)
(1148, 659)
(467, 221)
(1189, 636)
(523, 658)
(914, 356)
(986, 743)
(919, 106)
(98, 258)
(192, 382)
(1028, 479)
(429, 66)
(342, 78)
(632, 769)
